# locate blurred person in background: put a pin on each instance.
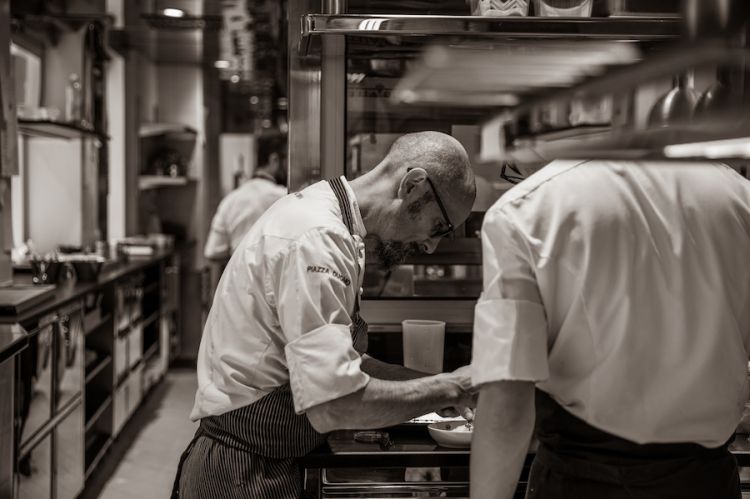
(242, 207)
(614, 317)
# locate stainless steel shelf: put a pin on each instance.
(57, 130)
(605, 28)
(146, 182)
(651, 143)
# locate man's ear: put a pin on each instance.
(411, 179)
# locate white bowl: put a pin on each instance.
(451, 433)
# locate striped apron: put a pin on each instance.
(251, 452)
(577, 461)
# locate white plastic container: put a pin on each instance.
(500, 8)
(423, 345)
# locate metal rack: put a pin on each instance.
(609, 28)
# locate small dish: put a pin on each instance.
(451, 433)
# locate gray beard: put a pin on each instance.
(391, 254)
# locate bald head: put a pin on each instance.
(442, 157)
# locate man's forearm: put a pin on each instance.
(391, 372)
(503, 429)
(386, 403)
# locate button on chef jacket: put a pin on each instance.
(623, 291)
(281, 312)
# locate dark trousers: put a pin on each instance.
(556, 477)
(578, 461)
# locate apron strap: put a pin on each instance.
(359, 326)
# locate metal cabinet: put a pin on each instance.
(69, 454)
(70, 355)
(7, 438)
(34, 471)
(34, 374)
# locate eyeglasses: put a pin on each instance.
(449, 226)
(513, 179)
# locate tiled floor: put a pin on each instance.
(153, 441)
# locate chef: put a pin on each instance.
(282, 360)
(620, 291)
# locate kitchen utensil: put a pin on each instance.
(677, 105)
(423, 345)
(451, 434)
(500, 8)
(718, 98)
(563, 8)
(44, 271)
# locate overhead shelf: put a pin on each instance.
(57, 130)
(173, 130)
(146, 182)
(728, 140)
(521, 81)
(604, 28)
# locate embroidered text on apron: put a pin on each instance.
(578, 461)
(251, 452)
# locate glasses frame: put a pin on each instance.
(450, 228)
(513, 179)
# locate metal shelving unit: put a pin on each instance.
(606, 28)
(57, 130)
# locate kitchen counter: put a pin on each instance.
(413, 447)
(13, 338)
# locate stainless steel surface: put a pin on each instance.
(70, 356)
(333, 111)
(7, 436)
(305, 105)
(69, 451)
(34, 471)
(394, 482)
(35, 382)
(503, 27)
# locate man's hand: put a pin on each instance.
(466, 396)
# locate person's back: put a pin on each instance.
(237, 213)
(642, 269)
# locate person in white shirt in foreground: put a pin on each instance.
(615, 317)
(282, 360)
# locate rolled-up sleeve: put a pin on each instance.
(317, 288)
(510, 327)
(217, 243)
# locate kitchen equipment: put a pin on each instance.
(87, 267)
(677, 105)
(718, 98)
(500, 8)
(45, 271)
(657, 8)
(452, 433)
(563, 8)
(423, 345)
(167, 161)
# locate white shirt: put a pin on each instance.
(237, 212)
(623, 290)
(281, 310)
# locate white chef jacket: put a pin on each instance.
(237, 212)
(623, 290)
(281, 310)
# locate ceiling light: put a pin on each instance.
(173, 12)
(221, 64)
